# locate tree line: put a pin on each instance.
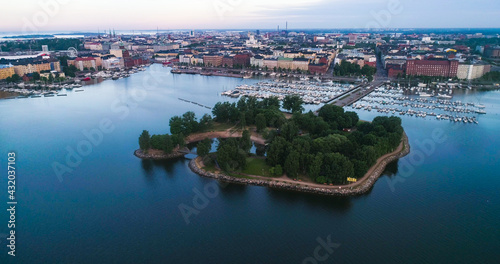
(346, 68)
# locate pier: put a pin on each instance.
(355, 94)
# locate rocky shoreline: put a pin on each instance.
(140, 154)
(343, 191)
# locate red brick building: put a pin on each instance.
(242, 60)
(321, 68)
(445, 68)
(227, 61)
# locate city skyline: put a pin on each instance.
(59, 15)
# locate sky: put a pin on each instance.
(31, 16)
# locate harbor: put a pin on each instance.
(395, 101)
(310, 92)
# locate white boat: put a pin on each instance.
(444, 96)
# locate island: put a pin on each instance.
(329, 152)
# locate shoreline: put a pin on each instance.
(156, 156)
(160, 155)
(357, 188)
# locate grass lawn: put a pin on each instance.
(210, 168)
(257, 167)
(220, 127)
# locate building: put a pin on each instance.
(112, 63)
(227, 61)
(285, 63)
(212, 60)
(29, 66)
(438, 67)
(93, 46)
(242, 60)
(270, 64)
(257, 61)
(492, 52)
(300, 64)
(186, 58)
(6, 71)
(320, 68)
(86, 63)
(472, 71)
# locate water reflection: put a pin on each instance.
(391, 169)
(340, 204)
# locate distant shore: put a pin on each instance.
(362, 186)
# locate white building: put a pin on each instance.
(472, 71)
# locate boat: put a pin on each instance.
(480, 106)
(444, 96)
(481, 112)
(62, 95)
(79, 90)
(422, 94)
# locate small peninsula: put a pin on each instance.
(329, 152)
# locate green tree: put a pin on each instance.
(289, 131)
(292, 164)
(260, 122)
(175, 125)
(277, 152)
(204, 147)
(293, 103)
(169, 144)
(36, 76)
(245, 141)
(315, 167)
(144, 140)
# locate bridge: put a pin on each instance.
(186, 151)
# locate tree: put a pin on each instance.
(144, 140)
(289, 131)
(292, 164)
(175, 125)
(260, 122)
(157, 142)
(276, 171)
(277, 151)
(15, 78)
(204, 147)
(245, 141)
(169, 144)
(36, 76)
(189, 123)
(293, 103)
(315, 167)
(206, 122)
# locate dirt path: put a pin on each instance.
(224, 134)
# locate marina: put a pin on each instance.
(395, 101)
(310, 92)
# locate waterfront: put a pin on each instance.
(116, 208)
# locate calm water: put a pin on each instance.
(439, 207)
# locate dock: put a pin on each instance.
(355, 94)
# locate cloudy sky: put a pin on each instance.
(68, 15)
